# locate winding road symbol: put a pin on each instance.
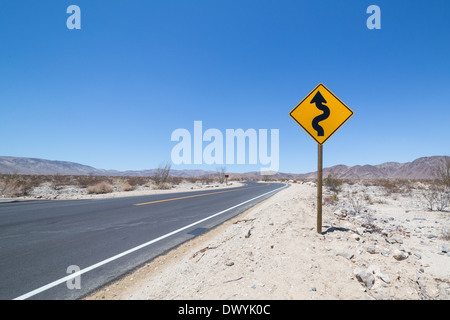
(319, 100)
(321, 113)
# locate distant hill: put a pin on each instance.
(42, 166)
(47, 167)
(421, 168)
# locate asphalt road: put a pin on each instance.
(100, 240)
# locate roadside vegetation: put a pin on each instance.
(433, 194)
(20, 185)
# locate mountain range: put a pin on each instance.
(421, 168)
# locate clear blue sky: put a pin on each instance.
(110, 95)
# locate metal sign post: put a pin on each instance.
(319, 188)
(321, 114)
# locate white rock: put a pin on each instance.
(399, 255)
(372, 249)
(384, 277)
(367, 278)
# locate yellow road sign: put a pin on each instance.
(321, 113)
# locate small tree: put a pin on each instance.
(438, 194)
(207, 178)
(437, 197)
(444, 172)
(221, 174)
(161, 174)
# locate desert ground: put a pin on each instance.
(377, 242)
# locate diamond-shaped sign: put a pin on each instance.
(321, 113)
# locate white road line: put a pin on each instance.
(101, 263)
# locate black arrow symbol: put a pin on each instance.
(319, 100)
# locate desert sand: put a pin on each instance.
(393, 248)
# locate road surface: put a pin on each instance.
(66, 249)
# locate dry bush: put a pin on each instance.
(333, 183)
(15, 185)
(357, 201)
(437, 197)
(368, 199)
(86, 181)
(189, 179)
(389, 185)
(11, 185)
(58, 180)
(162, 186)
(137, 181)
(331, 200)
(444, 172)
(100, 188)
(221, 174)
(161, 174)
(174, 180)
(207, 179)
(127, 187)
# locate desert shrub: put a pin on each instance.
(367, 199)
(357, 201)
(207, 179)
(333, 199)
(137, 181)
(161, 174)
(15, 185)
(437, 197)
(333, 183)
(350, 182)
(174, 180)
(221, 172)
(100, 188)
(444, 172)
(86, 181)
(35, 180)
(389, 185)
(162, 186)
(189, 179)
(58, 180)
(11, 185)
(127, 187)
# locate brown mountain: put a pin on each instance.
(421, 168)
(48, 167)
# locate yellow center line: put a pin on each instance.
(198, 195)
